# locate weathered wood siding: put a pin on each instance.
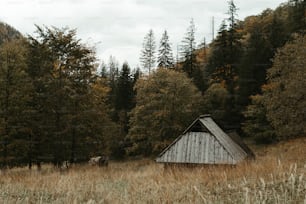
(234, 149)
(197, 147)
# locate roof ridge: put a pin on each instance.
(204, 116)
(222, 138)
(232, 147)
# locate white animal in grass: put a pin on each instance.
(99, 161)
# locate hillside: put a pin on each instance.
(57, 105)
(8, 32)
(277, 176)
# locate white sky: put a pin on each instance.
(117, 27)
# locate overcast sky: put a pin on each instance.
(117, 27)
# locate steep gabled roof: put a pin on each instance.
(236, 138)
(232, 147)
(235, 147)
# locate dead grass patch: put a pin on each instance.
(276, 176)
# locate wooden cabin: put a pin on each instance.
(204, 142)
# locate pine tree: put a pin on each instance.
(254, 63)
(113, 67)
(136, 75)
(223, 64)
(188, 56)
(147, 56)
(124, 89)
(103, 70)
(165, 56)
(124, 102)
(188, 50)
(234, 46)
(225, 57)
(232, 12)
(219, 57)
(297, 17)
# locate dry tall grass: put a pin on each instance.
(277, 176)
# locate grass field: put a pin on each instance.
(278, 175)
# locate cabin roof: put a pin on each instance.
(233, 144)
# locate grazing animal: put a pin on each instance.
(99, 161)
(65, 165)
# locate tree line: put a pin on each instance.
(233, 73)
(58, 103)
(52, 101)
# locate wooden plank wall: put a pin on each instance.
(197, 148)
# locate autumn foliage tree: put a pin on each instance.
(166, 102)
(215, 100)
(103, 135)
(284, 94)
(14, 103)
(62, 71)
(256, 126)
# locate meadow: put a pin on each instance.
(278, 175)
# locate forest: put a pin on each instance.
(58, 103)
